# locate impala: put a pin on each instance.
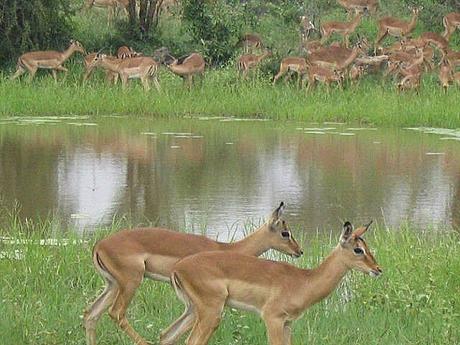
(435, 40)
(187, 67)
(453, 57)
(250, 42)
(125, 52)
(343, 29)
(278, 292)
(48, 59)
(359, 6)
(446, 75)
(356, 72)
(412, 74)
(335, 57)
(291, 65)
(451, 22)
(250, 61)
(126, 257)
(396, 27)
(323, 75)
(142, 68)
(89, 64)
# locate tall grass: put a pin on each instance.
(416, 301)
(221, 93)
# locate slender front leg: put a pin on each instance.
(287, 333)
(275, 330)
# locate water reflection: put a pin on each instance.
(196, 180)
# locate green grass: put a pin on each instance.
(371, 102)
(416, 301)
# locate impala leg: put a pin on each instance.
(54, 73)
(124, 81)
(87, 74)
(20, 71)
(118, 310)
(145, 83)
(32, 72)
(278, 75)
(287, 334)
(275, 330)
(207, 320)
(183, 324)
(96, 309)
(156, 83)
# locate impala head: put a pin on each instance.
(98, 59)
(306, 23)
(280, 236)
(356, 252)
(416, 10)
(77, 46)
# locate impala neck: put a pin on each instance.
(356, 21)
(412, 22)
(324, 279)
(68, 53)
(255, 244)
(350, 59)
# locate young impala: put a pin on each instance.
(142, 68)
(247, 62)
(396, 27)
(278, 292)
(451, 22)
(124, 259)
(343, 29)
(48, 59)
(187, 67)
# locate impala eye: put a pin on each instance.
(358, 251)
(285, 234)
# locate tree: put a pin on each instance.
(146, 18)
(32, 24)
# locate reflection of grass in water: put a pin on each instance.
(415, 302)
(222, 94)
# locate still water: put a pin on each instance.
(215, 174)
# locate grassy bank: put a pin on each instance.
(372, 102)
(417, 301)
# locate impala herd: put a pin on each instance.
(405, 60)
(208, 275)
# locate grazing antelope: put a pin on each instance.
(453, 57)
(457, 78)
(335, 57)
(359, 6)
(396, 27)
(355, 73)
(278, 292)
(88, 62)
(341, 28)
(142, 68)
(309, 46)
(292, 65)
(446, 74)
(187, 67)
(125, 52)
(435, 39)
(251, 42)
(250, 61)
(47, 59)
(451, 22)
(323, 75)
(125, 258)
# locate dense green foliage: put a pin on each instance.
(32, 24)
(417, 300)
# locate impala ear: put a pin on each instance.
(346, 233)
(278, 212)
(360, 231)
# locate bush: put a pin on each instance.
(33, 24)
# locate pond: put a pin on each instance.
(215, 174)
